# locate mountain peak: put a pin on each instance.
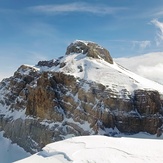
(90, 49)
(81, 93)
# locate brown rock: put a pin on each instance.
(90, 49)
(147, 102)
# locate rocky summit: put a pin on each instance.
(91, 49)
(83, 92)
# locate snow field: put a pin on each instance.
(100, 149)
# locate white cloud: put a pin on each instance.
(148, 65)
(152, 72)
(76, 7)
(141, 44)
(145, 44)
(159, 25)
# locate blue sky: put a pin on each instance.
(33, 30)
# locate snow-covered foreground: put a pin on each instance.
(10, 152)
(100, 149)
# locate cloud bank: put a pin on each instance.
(148, 65)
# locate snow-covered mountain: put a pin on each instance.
(82, 93)
(98, 70)
(100, 149)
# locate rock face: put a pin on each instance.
(90, 49)
(39, 107)
(47, 63)
(147, 102)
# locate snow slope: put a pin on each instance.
(100, 149)
(10, 152)
(113, 76)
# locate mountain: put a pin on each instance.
(100, 149)
(83, 92)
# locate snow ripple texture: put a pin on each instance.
(100, 149)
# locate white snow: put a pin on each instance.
(83, 41)
(113, 75)
(15, 114)
(10, 152)
(100, 149)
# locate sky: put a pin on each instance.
(31, 31)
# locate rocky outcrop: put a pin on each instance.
(147, 102)
(90, 49)
(50, 63)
